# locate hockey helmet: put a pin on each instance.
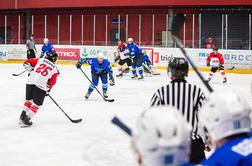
(46, 40)
(162, 137)
(178, 67)
(225, 114)
(53, 56)
(130, 40)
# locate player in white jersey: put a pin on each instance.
(124, 57)
(42, 77)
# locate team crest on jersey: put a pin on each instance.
(244, 148)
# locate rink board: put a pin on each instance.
(69, 54)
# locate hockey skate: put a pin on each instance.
(140, 77)
(225, 80)
(134, 76)
(87, 95)
(24, 120)
(105, 95)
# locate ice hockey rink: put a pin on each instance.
(54, 140)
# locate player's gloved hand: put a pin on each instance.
(48, 92)
(208, 64)
(78, 65)
(221, 67)
(28, 67)
(111, 81)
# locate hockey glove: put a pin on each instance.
(48, 92)
(78, 65)
(208, 64)
(221, 67)
(28, 67)
(111, 81)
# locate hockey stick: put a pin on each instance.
(178, 22)
(19, 73)
(122, 126)
(72, 120)
(231, 68)
(109, 100)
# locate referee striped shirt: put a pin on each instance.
(187, 98)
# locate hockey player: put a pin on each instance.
(47, 48)
(137, 56)
(226, 118)
(162, 138)
(42, 77)
(100, 68)
(124, 57)
(147, 66)
(216, 61)
(187, 99)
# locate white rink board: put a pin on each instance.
(241, 59)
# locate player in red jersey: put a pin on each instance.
(42, 77)
(216, 61)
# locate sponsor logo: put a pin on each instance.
(3, 55)
(68, 53)
(166, 58)
(235, 57)
(16, 52)
(91, 52)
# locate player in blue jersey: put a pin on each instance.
(47, 48)
(137, 56)
(162, 138)
(100, 68)
(226, 119)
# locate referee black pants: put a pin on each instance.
(31, 54)
(197, 151)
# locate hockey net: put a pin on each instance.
(150, 53)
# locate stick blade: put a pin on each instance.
(178, 22)
(76, 121)
(109, 100)
(14, 75)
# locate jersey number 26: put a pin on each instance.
(43, 69)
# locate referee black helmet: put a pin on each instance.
(178, 67)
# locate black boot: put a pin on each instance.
(141, 77)
(225, 80)
(134, 76)
(87, 95)
(105, 95)
(24, 120)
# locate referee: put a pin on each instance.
(30, 45)
(186, 98)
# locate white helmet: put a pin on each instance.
(130, 40)
(100, 55)
(46, 40)
(225, 114)
(162, 137)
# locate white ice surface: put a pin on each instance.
(54, 141)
